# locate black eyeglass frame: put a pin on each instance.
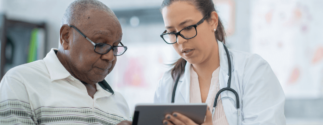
(97, 44)
(179, 32)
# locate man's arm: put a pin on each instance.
(14, 103)
(125, 123)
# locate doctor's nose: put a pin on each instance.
(181, 40)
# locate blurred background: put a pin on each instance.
(286, 33)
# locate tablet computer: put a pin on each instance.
(154, 114)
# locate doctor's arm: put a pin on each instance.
(263, 99)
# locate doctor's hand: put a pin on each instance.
(208, 119)
(179, 119)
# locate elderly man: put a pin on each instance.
(68, 86)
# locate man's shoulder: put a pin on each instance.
(119, 97)
(28, 70)
(122, 104)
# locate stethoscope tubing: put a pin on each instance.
(228, 88)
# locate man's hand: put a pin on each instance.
(125, 123)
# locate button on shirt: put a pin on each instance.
(44, 92)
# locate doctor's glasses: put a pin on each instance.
(187, 33)
(102, 48)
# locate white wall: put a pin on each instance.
(240, 39)
(51, 12)
(1, 6)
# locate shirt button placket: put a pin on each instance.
(93, 110)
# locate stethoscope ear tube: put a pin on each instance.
(229, 65)
(175, 86)
(228, 88)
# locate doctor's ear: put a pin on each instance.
(214, 21)
(64, 36)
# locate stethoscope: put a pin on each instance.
(228, 88)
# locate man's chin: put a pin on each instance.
(98, 75)
(97, 79)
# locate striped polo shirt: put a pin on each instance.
(44, 92)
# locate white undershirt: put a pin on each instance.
(195, 96)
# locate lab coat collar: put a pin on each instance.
(184, 82)
(105, 85)
(224, 69)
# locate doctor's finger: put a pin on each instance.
(174, 120)
(166, 122)
(208, 117)
(183, 119)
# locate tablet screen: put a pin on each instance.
(154, 114)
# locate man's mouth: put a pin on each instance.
(105, 68)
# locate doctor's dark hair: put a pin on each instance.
(206, 7)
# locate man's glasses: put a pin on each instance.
(187, 33)
(102, 48)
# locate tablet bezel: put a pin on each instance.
(155, 113)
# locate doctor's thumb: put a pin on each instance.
(208, 117)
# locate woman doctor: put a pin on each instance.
(249, 91)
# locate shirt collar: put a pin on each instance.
(57, 71)
(55, 68)
(105, 85)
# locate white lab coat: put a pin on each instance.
(261, 96)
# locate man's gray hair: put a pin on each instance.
(75, 11)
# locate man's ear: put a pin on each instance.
(214, 20)
(64, 36)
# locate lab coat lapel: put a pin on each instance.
(183, 86)
(224, 74)
(229, 107)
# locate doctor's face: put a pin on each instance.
(182, 14)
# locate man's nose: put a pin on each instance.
(181, 40)
(109, 56)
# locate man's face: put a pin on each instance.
(101, 27)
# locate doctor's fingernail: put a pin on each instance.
(175, 115)
(165, 123)
(168, 117)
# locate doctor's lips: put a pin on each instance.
(187, 50)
